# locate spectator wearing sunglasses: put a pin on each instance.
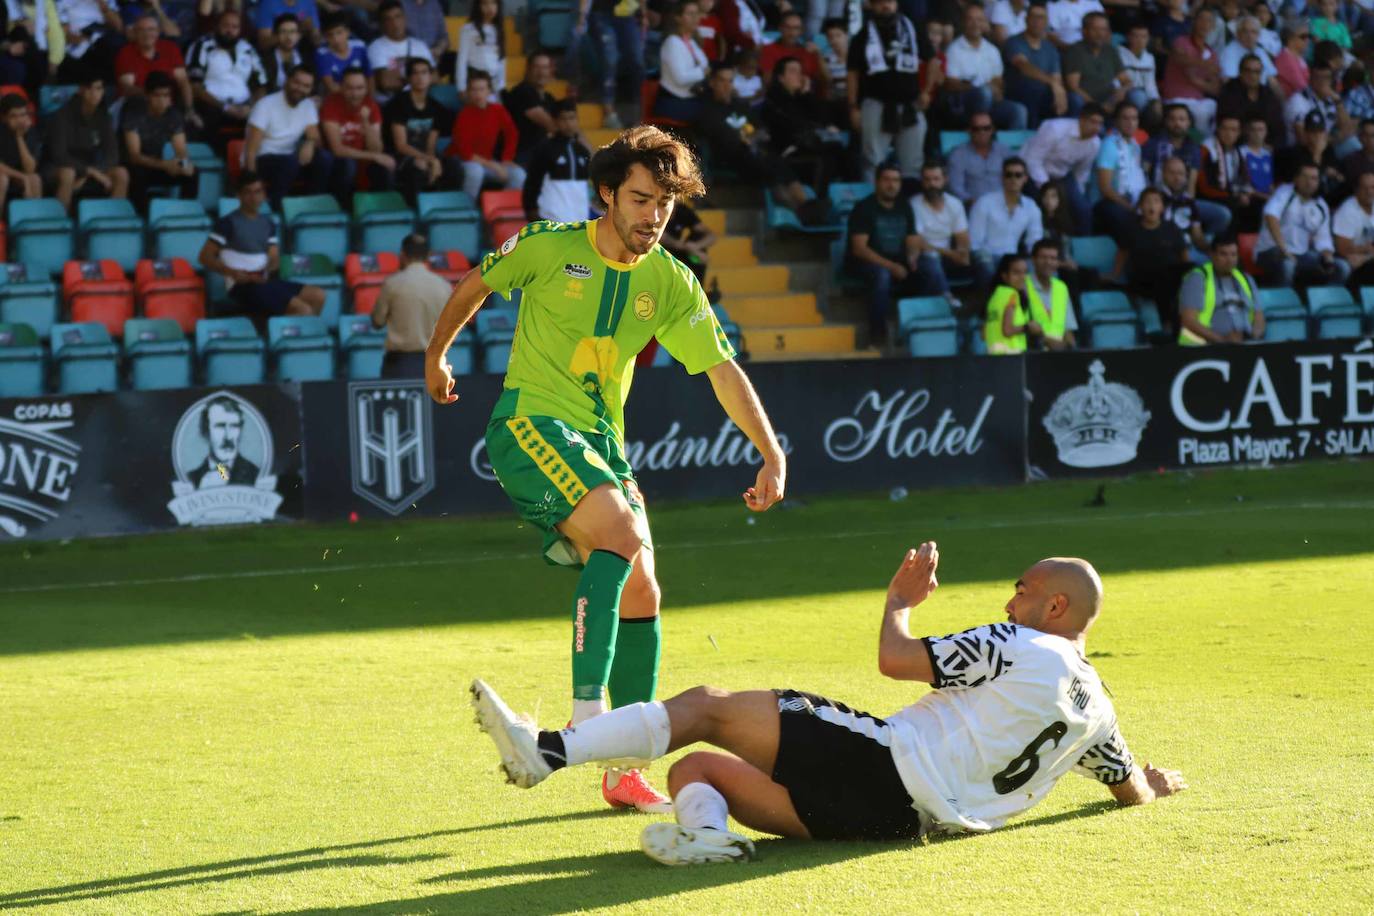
(975, 167)
(1003, 222)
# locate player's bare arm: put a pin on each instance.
(900, 655)
(736, 394)
(467, 297)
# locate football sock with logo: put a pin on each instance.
(699, 804)
(640, 730)
(596, 617)
(634, 669)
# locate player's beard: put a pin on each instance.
(630, 234)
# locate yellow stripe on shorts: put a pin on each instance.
(547, 459)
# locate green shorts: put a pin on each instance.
(546, 467)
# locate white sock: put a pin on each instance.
(698, 804)
(585, 709)
(639, 730)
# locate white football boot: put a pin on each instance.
(674, 844)
(516, 737)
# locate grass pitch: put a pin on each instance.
(274, 720)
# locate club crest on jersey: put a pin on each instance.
(509, 244)
(645, 306)
(578, 271)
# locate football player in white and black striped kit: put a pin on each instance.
(1016, 705)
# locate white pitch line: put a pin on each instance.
(684, 545)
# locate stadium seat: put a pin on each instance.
(23, 301)
(316, 224)
(1014, 139)
(784, 218)
(170, 288)
(21, 361)
(504, 229)
(921, 308)
(85, 357)
(927, 326)
(362, 346)
(446, 94)
(233, 160)
(553, 22)
(1285, 317)
(1245, 244)
(301, 347)
(451, 221)
(844, 195)
(1095, 251)
(209, 172)
(1367, 306)
(1334, 311)
(949, 139)
(51, 97)
(98, 291)
(178, 228)
(231, 351)
(1111, 320)
(502, 205)
(451, 265)
(369, 269)
(648, 97)
(381, 220)
(40, 235)
(495, 329)
(316, 270)
(365, 299)
(158, 353)
(110, 230)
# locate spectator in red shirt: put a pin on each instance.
(351, 122)
(789, 44)
(484, 137)
(149, 52)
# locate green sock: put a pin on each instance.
(596, 616)
(634, 676)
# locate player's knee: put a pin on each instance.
(642, 593)
(691, 768)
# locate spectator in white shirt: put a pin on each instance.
(387, 55)
(1247, 42)
(682, 65)
(1002, 222)
(1140, 64)
(973, 77)
(226, 76)
(1008, 18)
(482, 46)
(1066, 20)
(942, 230)
(1063, 150)
(1353, 229)
(283, 139)
(1120, 175)
(1295, 242)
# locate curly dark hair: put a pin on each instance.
(671, 162)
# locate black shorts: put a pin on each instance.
(267, 299)
(836, 764)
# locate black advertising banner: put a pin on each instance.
(845, 426)
(1119, 411)
(143, 461)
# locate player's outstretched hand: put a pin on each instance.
(767, 489)
(439, 381)
(915, 578)
(1164, 782)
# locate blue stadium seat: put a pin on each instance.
(40, 235)
(317, 270)
(1334, 311)
(85, 357)
(362, 346)
(921, 308)
(844, 195)
(1111, 320)
(1014, 139)
(495, 329)
(21, 362)
(178, 228)
(949, 139)
(209, 172)
(927, 326)
(451, 221)
(1113, 334)
(1280, 301)
(446, 94)
(302, 347)
(23, 301)
(1095, 251)
(231, 351)
(110, 230)
(315, 224)
(381, 220)
(779, 217)
(1367, 305)
(158, 353)
(553, 24)
(52, 97)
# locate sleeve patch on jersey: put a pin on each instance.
(509, 244)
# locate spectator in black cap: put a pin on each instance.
(1314, 148)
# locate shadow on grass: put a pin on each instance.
(316, 857)
(578, 883)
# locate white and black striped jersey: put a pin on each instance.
(1013, 710)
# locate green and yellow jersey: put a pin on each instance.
(584, 318)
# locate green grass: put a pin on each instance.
(278, 722)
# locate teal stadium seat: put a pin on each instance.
(301, 347)
(21, 361)
(1095, 251)
(315, 224)
(230, 351)
(110, 230)
(1110, 318)
(780, 218)
(158, 353)
(1334, 311)
(495, 329)
(949, 139)
(381, 220)
(86, 358)
(362, 346)
(40, 235)
(209, 172)
(1014, 139)
(927, 326)
(52, 97)
(844, 195)
(178, 227)
(1285, 316)
(446, 94)
(451, 221)
(23, 301)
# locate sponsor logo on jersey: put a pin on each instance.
(509, 244)
(645, 306)
(578, 271)
(701, 315)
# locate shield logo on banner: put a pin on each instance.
(391, 443)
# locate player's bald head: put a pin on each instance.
(1077, 581)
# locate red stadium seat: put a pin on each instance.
(365, 298)
(503, 229)
(98, 291)
(648, 96)
(84, 273)
(451, 265)
(157, 270)
(502, 205)
(1245, 241)
(170, 288)
(233, 161)
(369, 269)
